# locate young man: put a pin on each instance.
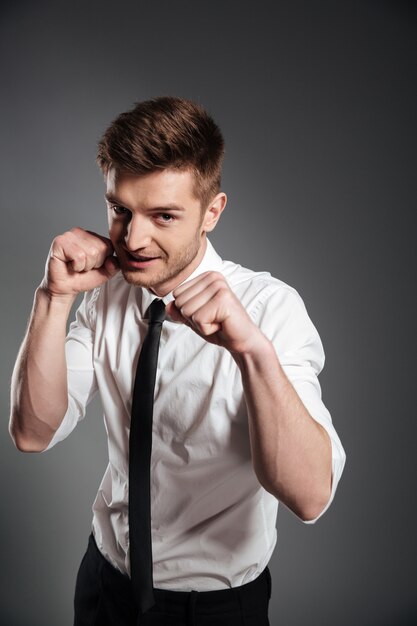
(238, 421)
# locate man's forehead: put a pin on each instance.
(165, 185)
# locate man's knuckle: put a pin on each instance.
(59, 240)
(219, 291)
(204, 329)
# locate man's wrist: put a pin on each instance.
(57, 302)
(257, 349)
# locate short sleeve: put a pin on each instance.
(81, 379)
(283, 318)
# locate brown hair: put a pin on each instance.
(166, 132)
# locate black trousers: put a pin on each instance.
(103, 597)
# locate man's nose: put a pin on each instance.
(138, 233)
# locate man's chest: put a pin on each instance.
(198, 395)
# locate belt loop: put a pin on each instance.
(192, 601)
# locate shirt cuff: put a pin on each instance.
(67, 425)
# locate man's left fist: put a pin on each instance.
(208, 306)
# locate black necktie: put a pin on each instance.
(140, 448)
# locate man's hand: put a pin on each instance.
(79, 260)
(208, 306)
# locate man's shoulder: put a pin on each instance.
(242, 278)
(255, 287)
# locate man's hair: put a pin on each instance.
(166, 132)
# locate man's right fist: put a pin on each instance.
(79, 260)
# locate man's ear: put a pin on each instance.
(213, 212)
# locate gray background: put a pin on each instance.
(317, 101)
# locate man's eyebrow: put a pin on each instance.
(171, 206)
(111, 198)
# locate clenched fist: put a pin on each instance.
(208, 306)
(79, 260)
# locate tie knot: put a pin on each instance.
(156, 312)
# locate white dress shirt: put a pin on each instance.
(213, 524)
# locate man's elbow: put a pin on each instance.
(25, 441)
(307, 508)
(309, 511)
(313, 511)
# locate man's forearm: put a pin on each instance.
(291, 452)
(39, 381)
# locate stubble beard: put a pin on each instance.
(173, 267)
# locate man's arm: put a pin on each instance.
(291, 451)
(78, 261)
(39, 395)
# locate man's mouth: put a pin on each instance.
(140, 261)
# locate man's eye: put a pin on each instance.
(119, 210)
(166, 217)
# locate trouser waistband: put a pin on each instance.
(244, 597)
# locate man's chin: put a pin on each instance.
(136, 278)
(141, 279)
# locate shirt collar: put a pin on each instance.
(211, 262)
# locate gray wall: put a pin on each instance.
(317, 101)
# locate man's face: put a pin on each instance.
(156, 226)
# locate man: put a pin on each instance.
(238, 421)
